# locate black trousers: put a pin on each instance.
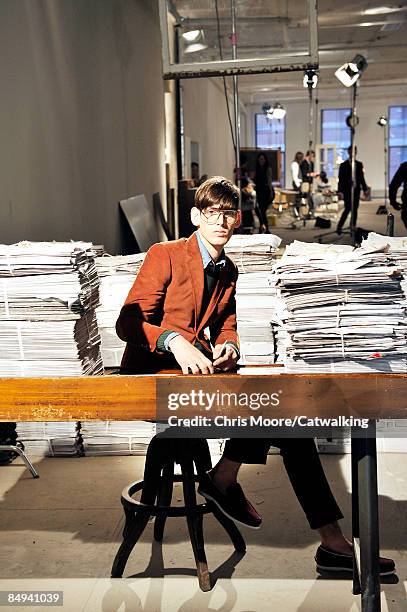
(404, 215)
(347, 210)
(304, 469)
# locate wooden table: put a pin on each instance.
(369, 396)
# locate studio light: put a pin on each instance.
(310, 79)
(193, 47)
(382, 121)
(349, 73)
(192, 35)
(278, 112)
(274, 112)
(195, 40)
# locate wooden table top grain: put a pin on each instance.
(118, 397)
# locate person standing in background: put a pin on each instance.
(399, 178)
(264, 189)
(308, 174)
(307, 167)
(345, 188)
(296, 176)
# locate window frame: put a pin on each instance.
(389, 146)
(282, 151)
(341, 108)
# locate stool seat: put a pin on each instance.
(156, 494)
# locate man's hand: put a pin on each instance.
(396, 205)
(224, 357)
(189, 358)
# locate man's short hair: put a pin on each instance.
(310, 152)
(217, 191)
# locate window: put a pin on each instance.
(397, 138)
(335, 131)
(270, 134)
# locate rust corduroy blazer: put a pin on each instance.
(167, 295)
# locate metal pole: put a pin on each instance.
(385, 165)
(353, 165)
(179, 111)
(233, 40)
(311, 120)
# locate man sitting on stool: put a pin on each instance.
(184, 287)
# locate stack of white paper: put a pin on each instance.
(116, 437)
(397, 248)
(48, 295)
(50, 439)
(253, 253)
(116, 276)
(255, 295)
(343, 309)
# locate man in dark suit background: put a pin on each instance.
(345, 188)
(399, 178)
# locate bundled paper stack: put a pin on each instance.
(116, 276)
(48, 295)
(50, 439)
(397, 249)
(253, 253)
(116, 437)
(254, 256)
(343, 309)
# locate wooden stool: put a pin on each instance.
(162, 454)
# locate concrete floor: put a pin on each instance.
(62, 531)
(367, 219)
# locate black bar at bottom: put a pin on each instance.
(365, 519)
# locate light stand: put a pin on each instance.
(233, 40)
(353, 121)
(383, 123)
(348, 75)
(310, 81)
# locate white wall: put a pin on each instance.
(369, 136)
(81, 116)
(206, 122)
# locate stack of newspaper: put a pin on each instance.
(254, 256)
(343, 309)
(50, 439)
(48, 295)
(397, 248)
(254, 252)
(116, 437)
(116, 276)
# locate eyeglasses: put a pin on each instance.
(213, 216)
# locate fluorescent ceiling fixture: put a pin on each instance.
(192, 35)
(349, 73)
(368, 24)
(381, 10)
(193, 47)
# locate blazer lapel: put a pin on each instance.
(196, 273)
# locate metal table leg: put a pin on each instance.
(19, 451)
(365, 517)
